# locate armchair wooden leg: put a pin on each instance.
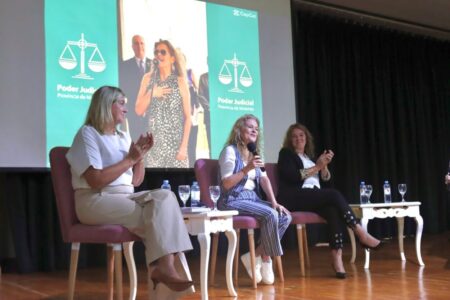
(279, 264)
(236, 257)
(117, 248)
(110, 270)
(131, 265)
(300, 249)
(305, 245)
(73, 269)
(212, 270)
(251, 244)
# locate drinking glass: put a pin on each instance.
(402, 190)
(214, 193)
(368, 191)
(184, 191)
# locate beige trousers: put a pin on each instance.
(158, 222)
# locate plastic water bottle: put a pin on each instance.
(387, 192)
(166, 185)
(195, 194)
(362, 193)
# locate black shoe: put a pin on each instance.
(339, 275)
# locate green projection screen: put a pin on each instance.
(61, 51)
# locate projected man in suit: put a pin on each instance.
(130, 76)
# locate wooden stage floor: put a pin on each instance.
(388, 278)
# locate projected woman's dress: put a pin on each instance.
(164, 99)
(165, 121)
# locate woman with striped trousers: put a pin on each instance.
(242, 178)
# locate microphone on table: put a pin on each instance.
(252, 148)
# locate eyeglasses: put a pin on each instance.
(162, 52)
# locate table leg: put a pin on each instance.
(400, 229)
(419, 222)
(204, 241)
(231, 235)
(364, 223)
(351, 234)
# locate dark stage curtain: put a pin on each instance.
(380, 100)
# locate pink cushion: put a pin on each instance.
(245, 222)
(306, 217)
(101, 234)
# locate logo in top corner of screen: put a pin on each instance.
(69, 61)
(239, 68)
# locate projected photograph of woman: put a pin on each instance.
(164, 99)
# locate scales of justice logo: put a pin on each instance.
(226, 77)
(68, 60)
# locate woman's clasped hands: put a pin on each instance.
(139, 149)
(325, 158)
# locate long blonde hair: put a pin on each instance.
(235, 135)
(99, 114)
(309, 146)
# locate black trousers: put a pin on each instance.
(330, 204)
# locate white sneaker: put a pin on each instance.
(267, 272)
(248, 266)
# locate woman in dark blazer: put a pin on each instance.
(299, 190)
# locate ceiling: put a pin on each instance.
(427, 17)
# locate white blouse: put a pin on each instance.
(227, 162)
(90, 148)
(311, 181)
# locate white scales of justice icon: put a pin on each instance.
(225, 77)
(68, 60)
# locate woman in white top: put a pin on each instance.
(105, 166)
(242, 179)
(299, 189)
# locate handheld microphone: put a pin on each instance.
(252, 148)
(155, 63)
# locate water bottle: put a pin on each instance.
(387, 192)
(166, 185)
(195, 194)
(362, 193)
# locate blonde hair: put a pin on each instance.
(235, 135)
(99, 114)
(309, 146)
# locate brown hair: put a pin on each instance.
(309, 146)
(179, 70)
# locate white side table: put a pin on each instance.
(202, 225)
(399, 210)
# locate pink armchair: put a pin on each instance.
(75, 233)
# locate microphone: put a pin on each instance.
(252, 148)
(155, 63)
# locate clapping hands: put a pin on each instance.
(141, 147)
(325, 158)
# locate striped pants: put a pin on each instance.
(272, 223)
